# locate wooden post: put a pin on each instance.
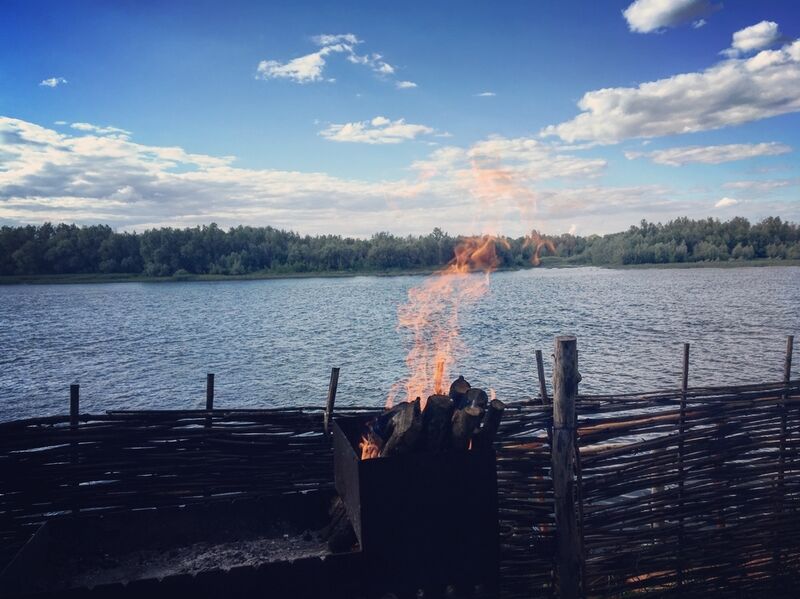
(787, 374)
(565, 389)
(209, 399)
(74, 404)
(542, 382)
(210, 391)
(332, 385)
(681, 451)
(74, 412)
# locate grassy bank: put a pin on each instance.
(548, 262)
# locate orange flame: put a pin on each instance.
(369, 447)
(431, 314)
(537, 242)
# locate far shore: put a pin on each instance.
(258, 276)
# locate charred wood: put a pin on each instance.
(436, 423)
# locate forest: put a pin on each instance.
(210, 250)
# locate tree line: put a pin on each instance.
(69, 249)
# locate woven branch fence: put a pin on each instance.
(687, 493)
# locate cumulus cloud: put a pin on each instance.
(726, 203)
(379, 130)
(52, 82)
(731, 92)
(756, 37)
(97, 130)
(310, 67)
(84, 177)
(711, 154)
(405, 85)
(647, 16)
(485, 95)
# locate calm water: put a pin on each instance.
(273, 342)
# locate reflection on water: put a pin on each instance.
(273, 342)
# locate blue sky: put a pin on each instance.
(354, 118)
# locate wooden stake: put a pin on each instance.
(209, 391)
(681, 475)
(565, 391)
(787, 373)
(74, 411)
(542, 382)
(74, 404)
(332, 385)
(209, 399)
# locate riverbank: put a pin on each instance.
(548, 262)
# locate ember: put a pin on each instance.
(464, 419)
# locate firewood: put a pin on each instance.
(464, 423)
(477, 398)
(383, 424)
(436, 423)
(491, 422)
(406, 429)
(458, 392)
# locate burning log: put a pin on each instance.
(458, 392)
(477, 398)
(464, 423)
(436, 423)
(491, 423)
(464, 419)
(406, 429)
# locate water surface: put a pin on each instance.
(273, 342)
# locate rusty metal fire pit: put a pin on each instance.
(424, 519)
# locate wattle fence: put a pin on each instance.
(688, 492)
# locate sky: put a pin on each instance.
(353, 118)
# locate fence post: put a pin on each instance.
(74, 412)
(542, 382)
(209, 398)
(565, 389)
(787, 373)
(210, 391)
(74, 404)
(681, 432)
(332, 385)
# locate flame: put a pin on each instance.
(537, 242)
(431, 315)
(369, 446)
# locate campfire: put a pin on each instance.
(464, 419)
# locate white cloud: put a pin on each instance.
(646, 16)
(328, 39)
(726, 203)
(711, 154)
(699, 23)
(52, 82)
(510, 183)
(89, 128)
(731, 92)
(304, 69)
(762, 186)
(379, 130)
(485, 95)
(405, 85)
(756, 37)
(310, 67)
